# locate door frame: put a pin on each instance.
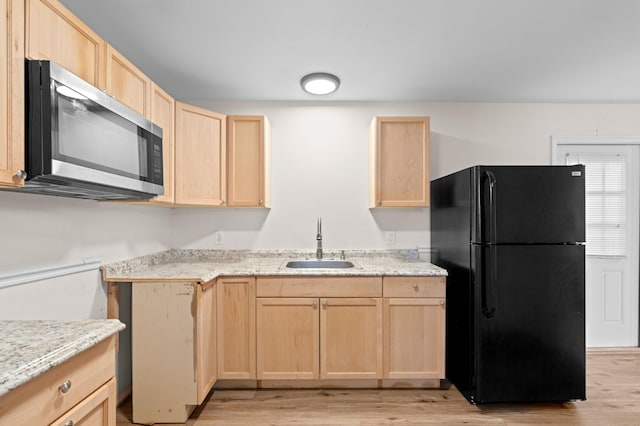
(595, 140)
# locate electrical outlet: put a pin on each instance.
(219, 237)
(389, 238)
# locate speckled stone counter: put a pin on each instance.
(30, 348)
(205, 265)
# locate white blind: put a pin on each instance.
(606, 202)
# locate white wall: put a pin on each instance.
(40, 231)
(320, 163)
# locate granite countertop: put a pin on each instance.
(205, 265)
(30, 348)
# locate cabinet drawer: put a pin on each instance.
(319, 287)
(414, 287)
(99, 408)
(40, 401)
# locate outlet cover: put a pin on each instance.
(389, 238)
(219, 237)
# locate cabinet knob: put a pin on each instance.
(325, 304)
(261, 202)
(379, 202)
(416, 287)
(442, 303)
(69, 423)
(21, 174)
(64, 387)
(315, 304)
(223, 202)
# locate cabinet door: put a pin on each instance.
(11, 92)
(351, 338)
(54, 33)
(127, 84)
(206, 359)
(399, 162)
(236, 323)
(287, 338)
(97, 409)
(248, 172)
(414, 338)
(200, 156)
(163, 114)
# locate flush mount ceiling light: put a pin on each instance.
(320, 83)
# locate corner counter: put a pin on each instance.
(239, 318)
(57, 371)
(206, 265)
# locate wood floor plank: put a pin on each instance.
(613, 397)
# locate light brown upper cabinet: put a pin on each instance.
(399, 162)
(54, 33)
(249, 159)
(163, 114)
(11, 93)
(127, 84)
(200, 157)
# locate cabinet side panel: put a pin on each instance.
(163, 358)
(206, 339)
(11, 92)
(163, 114)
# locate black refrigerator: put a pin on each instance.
(512, 240)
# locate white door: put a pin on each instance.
(612, 184)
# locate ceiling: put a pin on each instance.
(382, 50)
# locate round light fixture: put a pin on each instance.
(320, 83)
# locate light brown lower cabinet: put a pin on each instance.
(288, 338)
(414, 327)
(313, 338)
(80, 391)
(319, 338)
(173, 349)
(351, 338)
(236, 323)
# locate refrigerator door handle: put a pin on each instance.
(488, 304)
(493, 231)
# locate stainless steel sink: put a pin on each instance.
(319, 264)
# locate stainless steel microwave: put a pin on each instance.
(82, 143)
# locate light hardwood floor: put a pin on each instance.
(613, 397)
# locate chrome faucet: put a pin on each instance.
(319, 239)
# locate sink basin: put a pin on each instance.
(319, 263)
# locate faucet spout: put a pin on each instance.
(319, 239)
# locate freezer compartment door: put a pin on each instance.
(530, 323)
(528, 204)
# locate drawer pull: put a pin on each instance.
(64, 388)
